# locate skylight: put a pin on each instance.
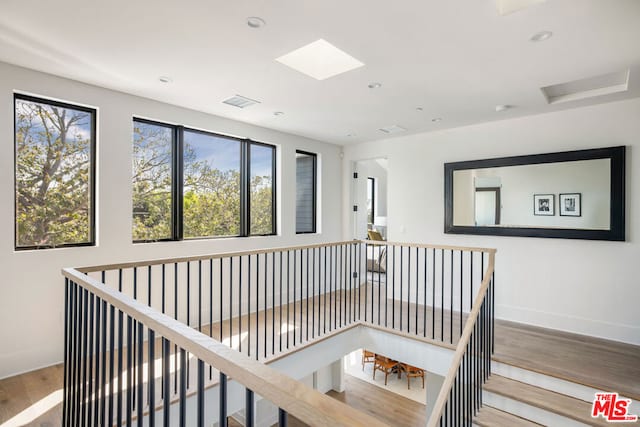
(320, 60)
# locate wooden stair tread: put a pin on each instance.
(492, 417)
(560, 404)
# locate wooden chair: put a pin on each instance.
(367, 357)
(384, 364)
(412, 372)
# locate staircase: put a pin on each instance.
(518, 397)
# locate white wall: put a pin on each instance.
(588, 287)
(31, 292)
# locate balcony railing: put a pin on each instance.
(194, 322)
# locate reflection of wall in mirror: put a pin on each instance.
(520, 183)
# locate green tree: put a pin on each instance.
(53, 172)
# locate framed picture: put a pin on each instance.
(570, 204)
(544, 204)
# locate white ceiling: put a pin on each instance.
(457, 59)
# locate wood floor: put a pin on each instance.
(598, 363)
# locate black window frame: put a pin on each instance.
(372, 180)
(92, 170)
(315, 192)
(177, 183)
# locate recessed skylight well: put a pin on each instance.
(604, 84)
(320, 60)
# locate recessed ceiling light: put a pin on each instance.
(374, 85)
(351, 135)
(503, 107)
(255, 22)
(278, 113)
(436, 119)
(541, 36)
(419, 109)
(320, 60)
(165, 79)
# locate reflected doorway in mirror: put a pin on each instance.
(544, 204)
(570, 204)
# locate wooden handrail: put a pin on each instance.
(145, 263)
(462, 345)
(292, 396)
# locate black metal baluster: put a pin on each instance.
(67, 350)
(200, 398)
(139, 367)
(417, 288)
(379, 249)
(393, 290)
(401, 282)
(313, 294)
(295, 276)
(135, 297)
(359, 284)
(83, 360)
(282, 418)
(408, 289)
(433, 294)
(90, 360)
(451, 302)
(273, 304)
(386, 283)
(249, 306)
(211, 309)
(366, 286)
(257, 304)
(266, 268)
(129, 395)
(307, 295)
(442, 296)
(461, 290)
(221, 293)
(287, 296)
(426, 287)
(166, 382)
(231, 302)
(249, 413)
(163, 287)
(240, 304)
(112, 322)
(280, 305)
(324, 306)
(222, 420)
(103, 360)
(301, 302)
(120, 381)
(151, 393)
(175, 316)
(183, 388)
(199, 295)
(349, 294)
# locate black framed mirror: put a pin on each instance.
(569, 195)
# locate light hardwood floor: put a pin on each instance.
(591, 361)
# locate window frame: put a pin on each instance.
(93, 112)
(372, 180)
(315, 191)
(177, 183)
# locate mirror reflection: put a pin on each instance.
(567, 195)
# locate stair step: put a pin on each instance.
(557, 403)
(492, 417)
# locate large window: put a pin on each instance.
(305, 192)
(192, 184)
(54, 174)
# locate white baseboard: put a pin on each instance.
(629, 334)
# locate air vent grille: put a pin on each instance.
(240, 101)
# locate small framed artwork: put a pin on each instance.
(544, 204)
(570, 204)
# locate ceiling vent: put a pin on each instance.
(240, 101)
(392, 129)
(604, 84)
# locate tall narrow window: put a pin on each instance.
(305, 192)
(261, 194)
(211, 185)
(371, 199)
(54, 174)
(152, 181)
